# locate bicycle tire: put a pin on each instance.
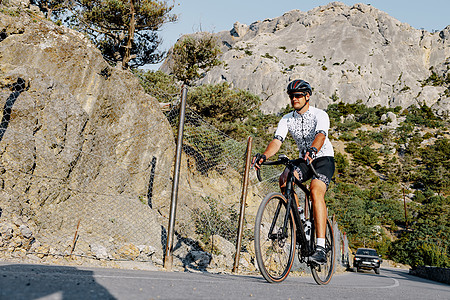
(274, 256)
(322, 273)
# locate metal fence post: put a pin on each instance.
(150, 183)
(168, 257)
(243, 201)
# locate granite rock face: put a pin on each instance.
(347, 53)
(77, 141)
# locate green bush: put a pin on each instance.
(362, 198)
(428, 240)
(215, 220)
(159, 85)
(347, 136)
(359, 211)
(363, 114)
(341, 163)
(352, 148)
(347, 125)
(422, 115)
(225, 108)
(414, 251)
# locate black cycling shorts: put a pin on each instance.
(324, 167)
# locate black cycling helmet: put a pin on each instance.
(299, 85)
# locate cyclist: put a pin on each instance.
(309, 128)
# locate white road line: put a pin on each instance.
(394, 285)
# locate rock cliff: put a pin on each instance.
(347, 53)
(77, 142)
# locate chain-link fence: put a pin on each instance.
(71, 189)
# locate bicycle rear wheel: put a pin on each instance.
(274, 252)
(322, 273)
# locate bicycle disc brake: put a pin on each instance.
(281, 240)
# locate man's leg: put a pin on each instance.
(318, 189)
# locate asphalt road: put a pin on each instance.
(19, 281)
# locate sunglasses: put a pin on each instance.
(297, 95)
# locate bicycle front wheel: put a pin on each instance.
(274, 250)
(322, 273)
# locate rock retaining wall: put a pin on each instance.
(432, 273)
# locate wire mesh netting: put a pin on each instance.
(209, 194)
(73, 188)
(79, 185)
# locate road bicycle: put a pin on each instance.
(281, 228)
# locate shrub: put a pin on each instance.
(267, 55)
(348, 125)
(223, 107)
(347, 136)
(193, 55)
(215, 221)
(159, 85)
(341, 163)
(363, 114)
(422, 115)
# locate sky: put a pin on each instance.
(218, 15)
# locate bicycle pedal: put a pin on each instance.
(312, 264)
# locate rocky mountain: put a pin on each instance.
(347, 53)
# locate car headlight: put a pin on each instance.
(376, 260)
(357, 258)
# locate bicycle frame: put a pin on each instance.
(307, 246)
(292, 205)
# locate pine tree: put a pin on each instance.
(125, 31)
(194, 55)
(50, 7)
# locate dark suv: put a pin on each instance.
(366, 258)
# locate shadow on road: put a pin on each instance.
(60, 282)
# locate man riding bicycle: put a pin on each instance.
(309, 128)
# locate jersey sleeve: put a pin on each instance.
(323, 123)
(282, 130)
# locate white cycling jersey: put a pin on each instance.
(304, 128)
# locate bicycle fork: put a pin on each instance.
(306, 245)
(283, 232)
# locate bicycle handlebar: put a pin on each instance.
(284, 160)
